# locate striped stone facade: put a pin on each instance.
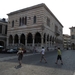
(34, 26)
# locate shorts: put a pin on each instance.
(20, 57)
(42, 56)
(59, 57)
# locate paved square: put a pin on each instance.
(32, 66)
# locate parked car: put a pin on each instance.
(12, 51)
(1, 48)
(4, 50)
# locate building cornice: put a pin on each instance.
(72, 27)
(3, 23)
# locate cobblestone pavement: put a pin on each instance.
(32, 66)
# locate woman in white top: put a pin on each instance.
(43, 55)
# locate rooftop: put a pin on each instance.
(3, 20)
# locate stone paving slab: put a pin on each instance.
(33, 70)
(37, 68)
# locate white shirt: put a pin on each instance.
(43, 51)
(19, 51)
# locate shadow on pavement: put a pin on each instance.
(18, 66)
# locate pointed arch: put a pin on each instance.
(10, 39)
(1, 43)
(44, 39)
(37, 37)
(29, 38)
(22, 39)
(16, 39)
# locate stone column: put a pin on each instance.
(33, 40)
(50, 43)
(19, 39)
(26, 41)
(42, 40)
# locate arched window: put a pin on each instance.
(23, 21)
(37, 37)
(29, 38)
(13, 23)
(16, 39)
(20, 22)
(48, 22)
(26, 20)
(0, 28)
(22, 39)
(34, 19)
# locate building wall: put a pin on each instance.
(41, 13)
(67, 41)
(53, 22)
(72, 33)
(3, 33)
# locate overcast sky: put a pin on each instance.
(64, 10)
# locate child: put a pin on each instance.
(59, 56)
(20, 56)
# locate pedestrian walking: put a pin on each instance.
(59, 56)
(43, 55)
(20, 56)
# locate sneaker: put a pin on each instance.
(61, 63)
(55, 62)
(45, 62)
